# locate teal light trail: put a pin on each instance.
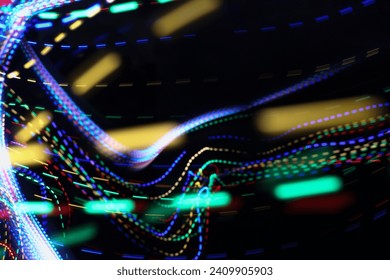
(76, 236)
(79, 14)
(189, 201)
(48, 15)
(323, 185)
(109, 206)
(34, 207)
(164, 1)
(124, 7)
(86, 13)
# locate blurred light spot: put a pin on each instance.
(219, 199)
(13, 75)
(4, 215)
(75, 24)
(87, 13)
(77, 235)
(46, 50)
(317, 114)
(43, 25)
(141, 137)
(34, 127)
(34, 207)
(68, 19)
(327, 204)
(29, 64)
(96, 73)
(31, 155)
(124, 7)
(109, 206)
(184, 15)
(5, 2)
(60, 37)
(48, 15)
(307, 188)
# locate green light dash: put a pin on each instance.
(34, 207)
(49, 175)
(124, 7)
(140, 197)
(82, 185)
(189, 201)
(48, 15)
(78, 235)
(323, 185)
(110, 192)
(107, 206)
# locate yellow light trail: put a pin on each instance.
(46, 50)
(96, 73)
(316, 115)
(143, 136)
(60, 37)
(29, 64)
(184, 15)
(76, 24)
(34, 127)
(28, 155)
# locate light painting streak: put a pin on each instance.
(180, 207)
(184, 15)
(308, 188)
(29, 231)
(34, 127)
(96, 73)
(31, 155)
(141, 158)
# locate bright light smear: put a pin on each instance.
(77, 235)
(34, 207)
(4, 159)
(29, 64)
(88, 13)
(48, 15)
(141, 137)
(34, 127)
(219, 199)
(96, 73)
(109, 206)
(30, 155)
(323, 185)
(5, 2)
(317, 115)
(59, 37)
(76, 24)
(13, 75)
(124, 7)
(184, 15)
